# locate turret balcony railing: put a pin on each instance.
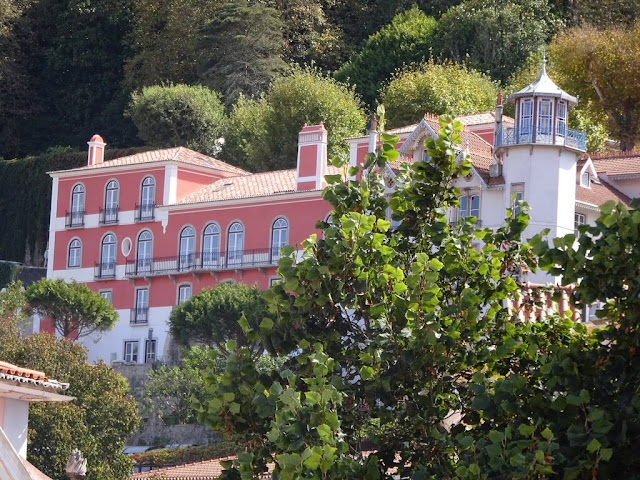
(506, 136)
(203, 262)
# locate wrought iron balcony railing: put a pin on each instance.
(109, 215)
(203, 262)
(145, 213)
(74, 219)
(506, 136)
(105, 271)
(139, 315)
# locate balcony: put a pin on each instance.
(139, 316)
(199, 262)
(145, 213)
(109, 216)
(74, 219)
(506, 136)
(105, 271)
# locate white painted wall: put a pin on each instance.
(15, 424)
(103, 345)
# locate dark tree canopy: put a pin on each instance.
(212, 316)
(73, 307)
(178, 115)
(241, 50)
(494, 37)
(407, 40)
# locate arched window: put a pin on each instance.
(187, 248)
(279, 237)
(211, 245)
(147, 199)
(235, 244)
(108, 256)
(144, 251)
(184, 293)
(110, 214)
(76, 217)
(75, 253)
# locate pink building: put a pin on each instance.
(149, 230)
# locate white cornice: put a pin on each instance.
(303, 195)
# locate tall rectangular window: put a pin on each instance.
(140, 313)
(578, 219)
(545, 114)
(150, 351)
(469, 207)
(517, 197)
(526, 119)
(107, 295)
(131, 352)
(561, 126)
(184, 293)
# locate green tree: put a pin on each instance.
(164, 41)
(275, 120)
(242, 50)
(73, 307)
(601, 66)
(492, 36)
(405, 41)
(178, 115)
(211, 317)
(437, 89)
(169, 391)
(97, 422)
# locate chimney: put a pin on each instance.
(312, 158)
(96, 150)
(373, 135)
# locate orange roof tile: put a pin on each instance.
(263, 184)
(599, 193)
(617, 164)
(176, 154)
(206, 470)
(483, 118)
(11, 369)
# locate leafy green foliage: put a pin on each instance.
(262, 134)
(585, 59)
(437, 89)
(395, 333)
(168, 391)
(72, 307)
(178, 115)
(241, 50)
(9, 272)
(405, 41)
(97, 422)
(492, 36)
(212, 316)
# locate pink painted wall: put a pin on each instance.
(96, 181)
(189, 181)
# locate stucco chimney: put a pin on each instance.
(312, 158)
(373, 135)
(96, 150)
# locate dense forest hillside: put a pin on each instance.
(138, 71)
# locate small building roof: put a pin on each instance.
(30, 385)
(205, 470)
(177, 154)
(599, 192)
(617, 164)
(543, 86)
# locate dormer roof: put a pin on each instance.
(543, 86)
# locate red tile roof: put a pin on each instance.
(600, 193)
(263, 184)
(11, 369)
(483, 119)
(617, 164)
(176, 154)
(206, 470)
(12, 373)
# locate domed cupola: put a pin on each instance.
(541, 116)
